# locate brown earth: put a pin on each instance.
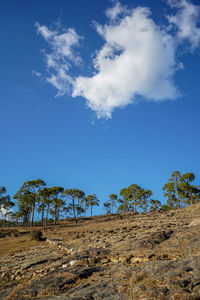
(127, 256)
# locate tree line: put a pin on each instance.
(179, 192)
(34, 197)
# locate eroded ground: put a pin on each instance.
(128, 256)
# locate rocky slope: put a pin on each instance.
(128, 256)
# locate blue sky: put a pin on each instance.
(114, 123)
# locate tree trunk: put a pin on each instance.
(177, 193)
(134, 205)
(42, 217)
(190, 198)
(145, 205)
(74, 211)
(47, 215)
(33, 210)
(55, 217)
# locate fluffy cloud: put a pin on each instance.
(185, 21)
(4, 213)
(61, 56)
(136, 59)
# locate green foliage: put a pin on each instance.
(33, 195)
(76, 198)
(91, 201)
(134, 196)
(55, 196)
(155, 205)
(112, 200)
(5, 202)
(27, 198)
(165, 207)
(36, 235)
(180, 191)
(107, 207)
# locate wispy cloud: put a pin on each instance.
(117, 10)
(138, 57)
(61, 56)
(185, 22)
(37, 74)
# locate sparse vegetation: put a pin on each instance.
(34, 197)
(36, 235)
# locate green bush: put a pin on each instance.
(165, 207)
(36, 235)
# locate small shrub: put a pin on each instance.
(165, 207)
(36, 235)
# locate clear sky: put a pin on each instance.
(99, 94)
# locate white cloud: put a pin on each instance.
(38, 74)
(118, 9)
(136, 59)
(61, 56)
(186, 20)
(4, 213)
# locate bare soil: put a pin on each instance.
(126, 256)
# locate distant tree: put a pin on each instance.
(132, 197)
(165, 207)
(155, 205)
(24, 201)
(55, 194)
(175, 179)
(44, 200)
(112, 200)
(124, 201)
(75, 196)
(143, 199)
(92, 200)
(172, 190)
(179, 190)
(83, 203)
(190, 193)
(66, 210)
(15, 217)
(5, 202)
(135, 194)
(31, 188)
(107, 207)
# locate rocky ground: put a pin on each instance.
(128, 256)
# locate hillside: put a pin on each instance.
(127, 256)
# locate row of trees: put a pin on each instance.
(34, 196)
(179, 192)
(132, 197)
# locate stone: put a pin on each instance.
(193, 248)
(72, 263)
(117, 257)
(195, 223)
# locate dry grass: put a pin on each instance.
(12, 245)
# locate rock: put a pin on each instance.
(193, 248)
(72, 263)
(64, 266)
(127, 256)
(195, 223)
